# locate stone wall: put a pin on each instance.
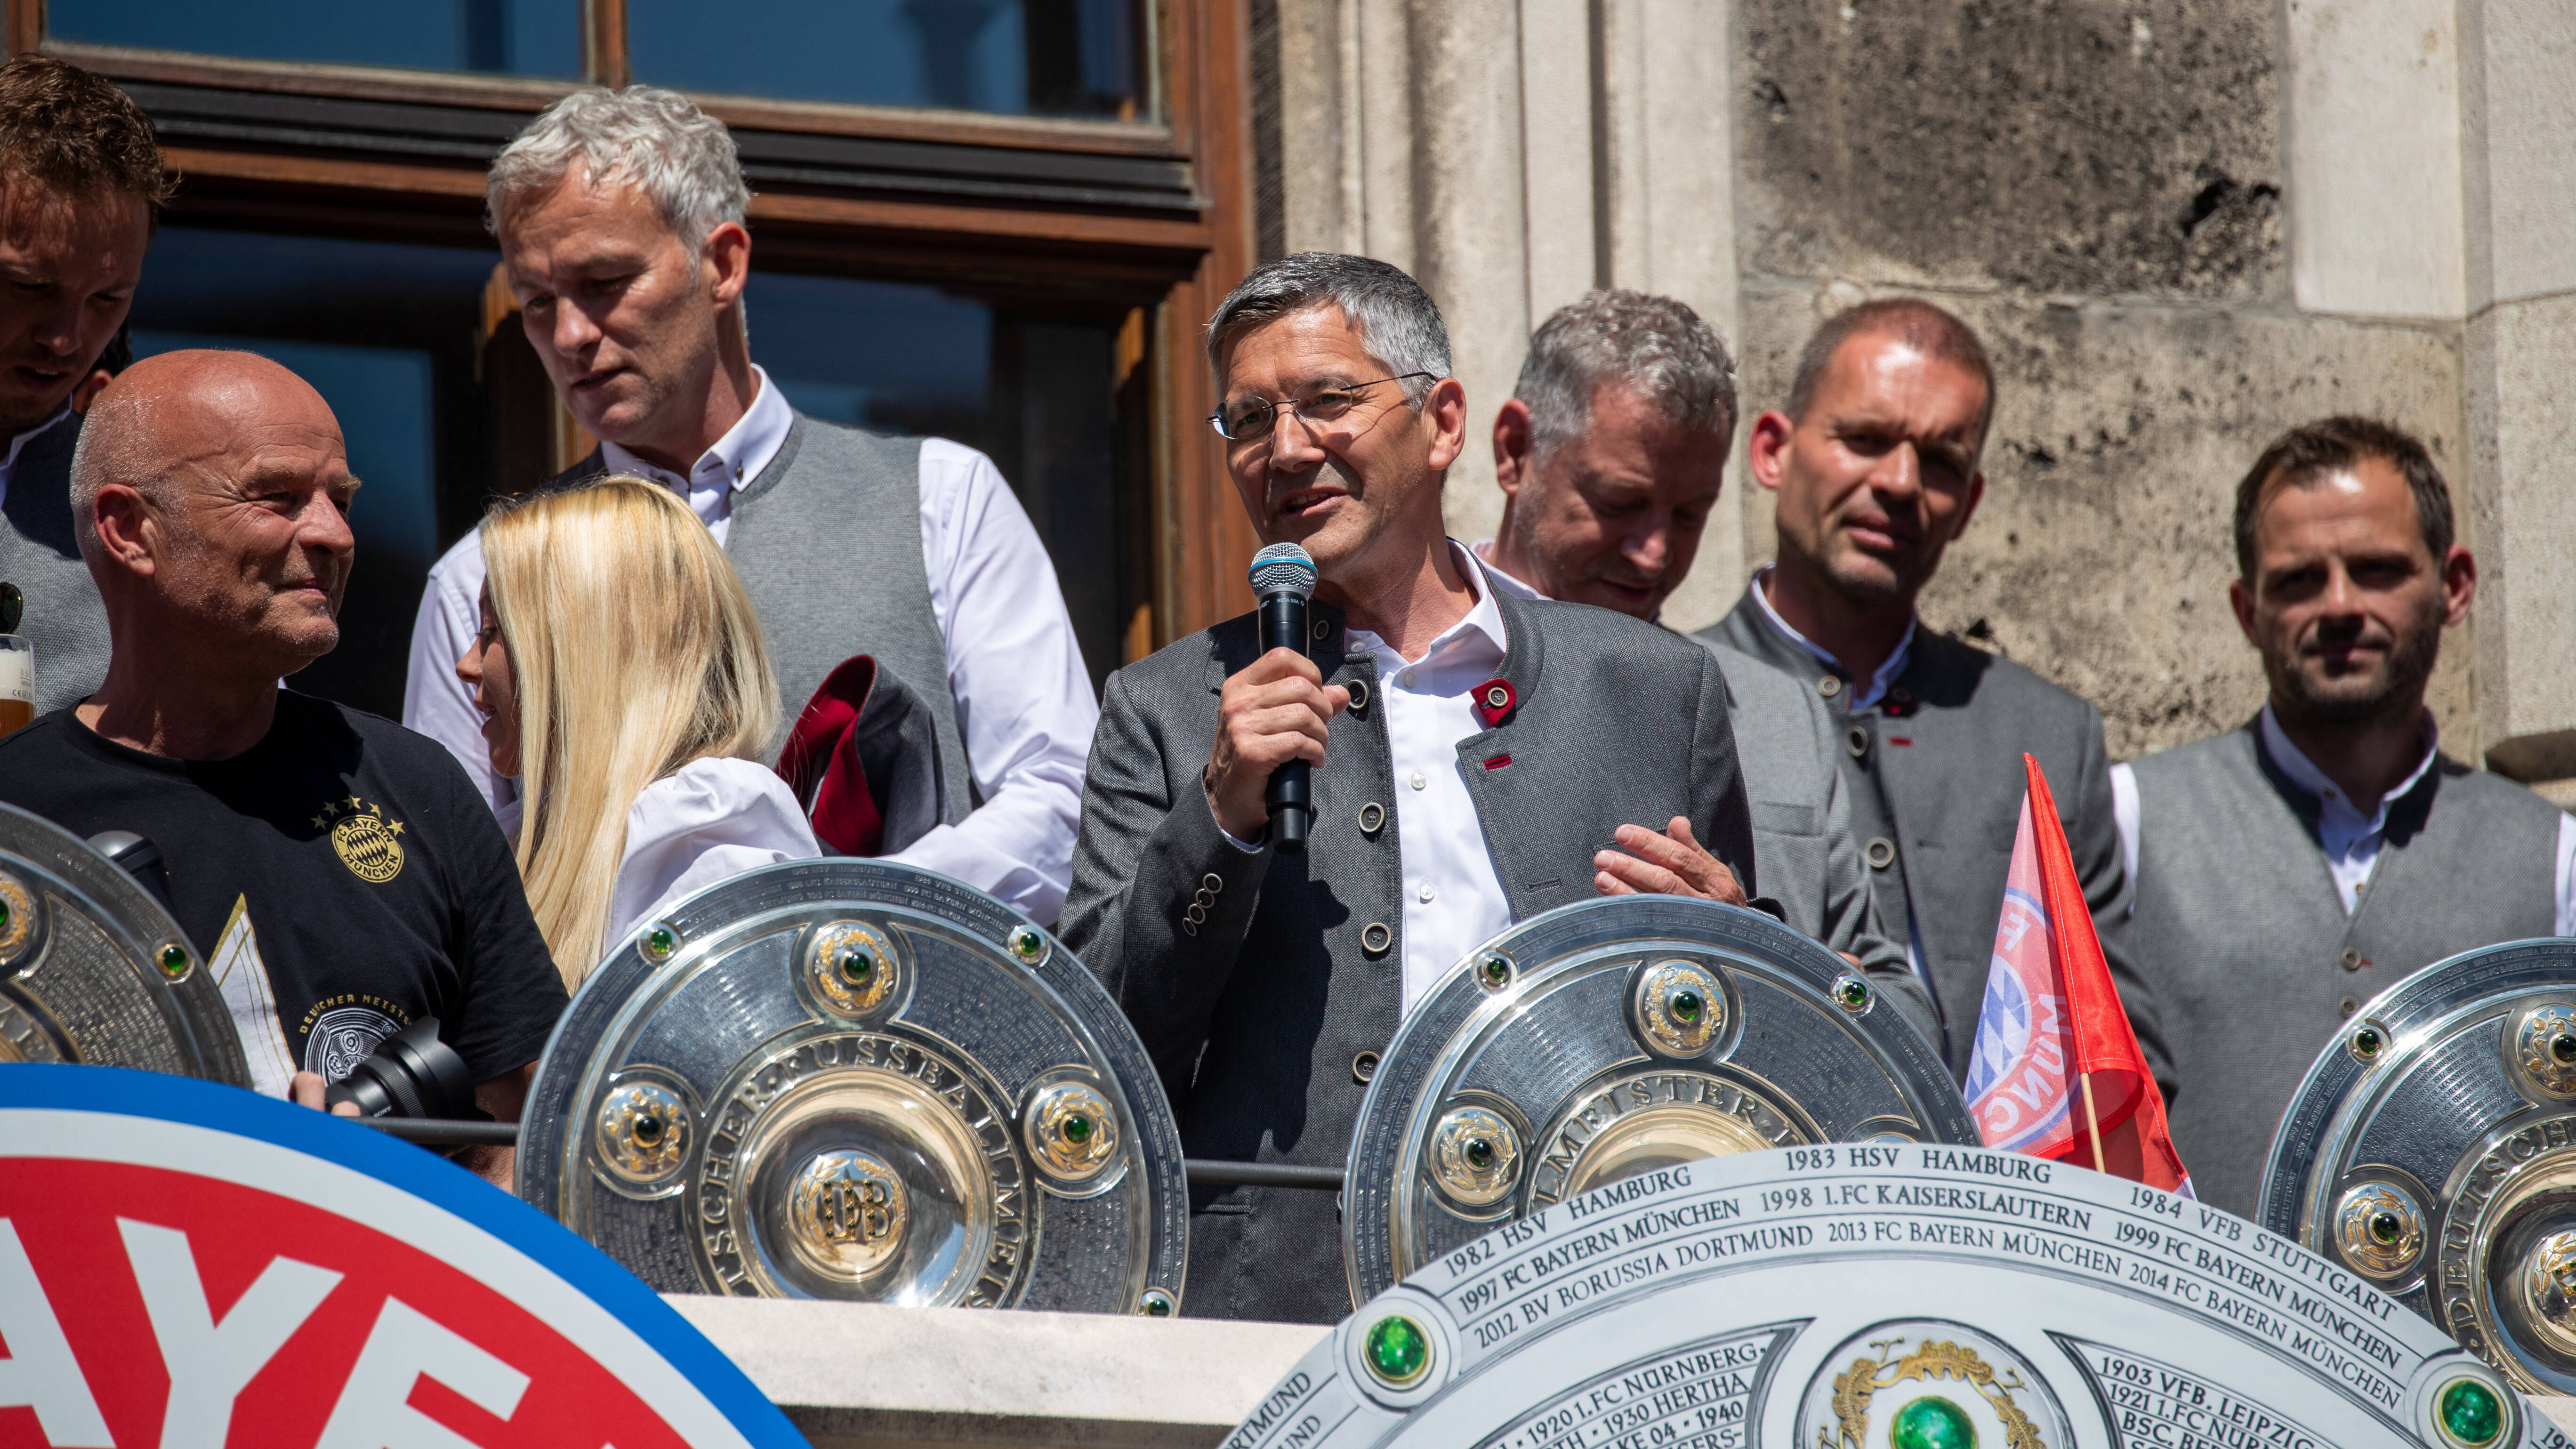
(2180, 225)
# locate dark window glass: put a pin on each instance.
(1076, 58)
(388, 335)
(507, 37)
(439, 417)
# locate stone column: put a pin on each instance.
(2518, 132)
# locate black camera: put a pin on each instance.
(411, 1074)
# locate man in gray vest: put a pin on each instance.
(80, 183)
(2292, 868)
(620, 218)
(1875, 464)
(1611, 452)
(1477, 759)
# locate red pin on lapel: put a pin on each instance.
(1493, 700)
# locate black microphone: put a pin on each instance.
(1283, 578)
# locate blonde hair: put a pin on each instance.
(636, 651)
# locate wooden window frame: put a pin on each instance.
(1154, 214)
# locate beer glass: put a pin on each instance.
(17, 682)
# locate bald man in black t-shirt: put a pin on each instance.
(338, 872)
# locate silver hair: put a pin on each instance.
(1656, 345)
(1395, 319)
(681, 157)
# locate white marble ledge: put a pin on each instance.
(859, 1374)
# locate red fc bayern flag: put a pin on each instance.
(2057, 1072)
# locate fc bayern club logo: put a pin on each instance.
(177, 1253)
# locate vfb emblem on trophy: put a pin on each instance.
(369, 844)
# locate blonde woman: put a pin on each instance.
(621, 676)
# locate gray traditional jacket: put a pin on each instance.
(2256, 963)
(1264, 984)
(1936, 788)
(40, 553)
(1803, 846)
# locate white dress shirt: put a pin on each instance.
(2349, 840)
(18, 444)
(709, 820)
(1024, 701)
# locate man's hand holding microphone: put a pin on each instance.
(1273, 718)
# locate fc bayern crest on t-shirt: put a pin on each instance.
(368, 844)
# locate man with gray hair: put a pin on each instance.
(1457, 786)
(1610, 454)
(620, 219)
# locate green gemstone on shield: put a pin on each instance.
(2470, 1412)
(1497, 970)
(1855, 994)
(1398, 1349)
(2366, 1041)
(1932, 1422)
(2386, 1227)
(1480, 1153)
(2562, 1046)
(174, 962)
(857, 966)
(1077, 1130)
(1685, 1006)
(660, 941)
(1026, 943)
(4, 916)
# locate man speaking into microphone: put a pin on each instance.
(1474, 759)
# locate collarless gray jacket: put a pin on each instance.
(1936, 780)
(1264, 984)
(1803, 845)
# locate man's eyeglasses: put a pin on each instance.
(1249, 418)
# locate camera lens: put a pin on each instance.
(411, 1074)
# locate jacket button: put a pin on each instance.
(2346, 1007)
(1323, 627)
(2351, 959)
(1214, 882)
(1375, 938)
(1858, 742)
(1880, 852)
(1372, 818)
(1829, 686)
(1359, 693)
(1363, 1067)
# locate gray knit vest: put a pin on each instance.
(40, 554)
(2255, 964)
(828, 542)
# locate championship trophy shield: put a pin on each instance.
(1611, 1038)
(859, 1080)
(92, 969)
(1886, 1296)
(2431, 1149)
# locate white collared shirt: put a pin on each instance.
(724, 469)
(1453, 900)
(18, 444)
(1023, 698)
(1861, 698)
(2349, 840)
(708, 821)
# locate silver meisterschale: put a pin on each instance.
(1609, 1038)
(854, 1079)
(1869, 1296)
(2432, 1149)
(93, 970)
